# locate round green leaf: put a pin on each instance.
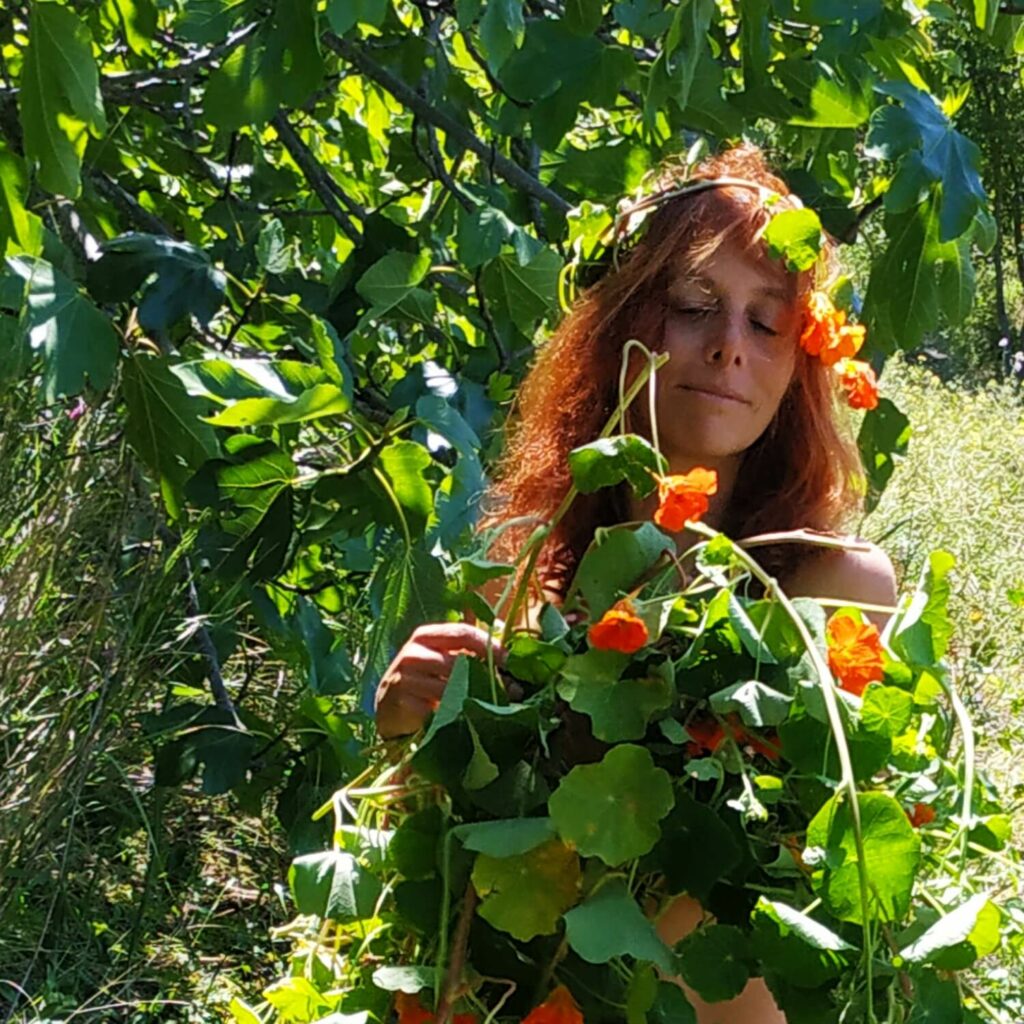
(886, 710)
(892, 851)
(619, 709)
(611, 810)
(526, 894)
(713, 962)
(609, 924)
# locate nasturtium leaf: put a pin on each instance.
(524, 293)
(958, 938)
(59, 96)
(886, 710)
(481, 770)
(609, 924)
(757, 703)
(748, 633)
(407, 978)
(714, 961)
(671, 1006)
(643, 988)
(525, 894)
(505, 838)
(533, 660)
(612, 460)
(77, 341)
(414, 846)
(333, 884)
(611, 809)
(164, 425)
(795, 946)
(391, 279)
(796, 237)
(404, 462)
(615, 561)
(696, 848)
(619, 709)
(936, 1000)
(892, 851)
(922, 629)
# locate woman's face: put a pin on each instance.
(731, 335)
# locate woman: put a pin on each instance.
(739, 394)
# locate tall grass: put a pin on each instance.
(961, 489)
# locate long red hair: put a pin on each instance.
(800, 473)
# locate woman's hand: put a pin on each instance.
(412, 684)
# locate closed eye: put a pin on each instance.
(764, 328)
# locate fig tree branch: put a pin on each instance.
(423, 109)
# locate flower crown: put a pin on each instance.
(825, 334)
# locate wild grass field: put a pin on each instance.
(121, 901)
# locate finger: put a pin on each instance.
(418, 657)
(423, 686)
(406, 716)
(458, 636)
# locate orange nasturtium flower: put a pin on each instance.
(619, 629)
(558, 1008)
(859, 383)
(826, 333)
(684, 496)
(922, 814)
(854, 652)
(411, 1011)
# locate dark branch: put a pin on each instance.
(318, 178)
(408, 97)
(849, 236)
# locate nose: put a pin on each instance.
(725, 346)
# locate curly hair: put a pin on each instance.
(802, 471)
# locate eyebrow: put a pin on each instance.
(706, 284)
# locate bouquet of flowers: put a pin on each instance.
(681, 726)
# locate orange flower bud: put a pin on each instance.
(558, 1008)
(684, 497)
(854, 653)
(859, 382)
(619, 629)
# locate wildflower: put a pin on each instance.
(619, 629)
(684, 497)
(826, 333)
(922, 814)
(859, 382)
(558, 1008)
(854, 652)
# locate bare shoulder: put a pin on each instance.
(863, 575)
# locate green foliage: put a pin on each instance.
(300, 257)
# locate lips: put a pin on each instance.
(715, 392)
